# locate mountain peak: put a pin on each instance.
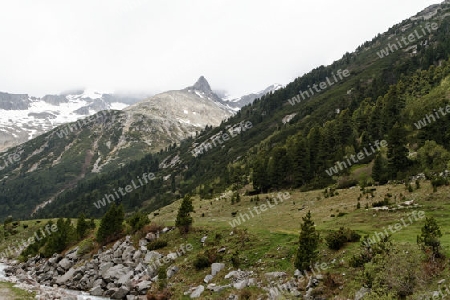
(202, 85)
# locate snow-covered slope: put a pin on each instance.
(23, 117)
(239, 102)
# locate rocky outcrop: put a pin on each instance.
(118, 273)
(14, 101)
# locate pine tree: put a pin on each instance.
(184, 219)
(397, 152)
(430, 236)
(82, 226)
(379, 169)
(111, 224)
(308, 243)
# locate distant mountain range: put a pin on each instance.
(105, 132)
(23, 117)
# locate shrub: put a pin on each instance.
(381, 203)
(137, 221)
(235, 260)
(335, 240)
(201, 262)
(157, 244)
(439, 181)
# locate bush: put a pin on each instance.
(137, 221)
(381, 203)
(335, 240)
(439, 181)
(201, 262)
(157, 244)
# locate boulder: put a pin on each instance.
(241, 284)
(197, 292)
(120, 293)
(208, 278)
(67, 276)
(152, 256)
(65, 263)
(143, 286)
(216, 268)
(96, 291)
(171, 271)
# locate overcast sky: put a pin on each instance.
(242, 46)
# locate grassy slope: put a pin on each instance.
(272, 236)
(268, 241)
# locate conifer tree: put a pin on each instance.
(111, 224)
(308, 243)
(397, 152)
(184, 219)
(430, 236)
(82, 226)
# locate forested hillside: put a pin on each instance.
(294, 145)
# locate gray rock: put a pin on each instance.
(72, 254)
(150, 236)
(65, 263)
(152, 256)
(96, 291)
(125, 278)
(67, 276)
(232, 274)
(115, 272)
(137, 255)
(128, 253)
(241, 284)
(120, 293)
(171, 271)
(198, 291)
(361, 293)
(208, 278)
(216, 268)
(105, 267)
(143, 286)
(216, 288)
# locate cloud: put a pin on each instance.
(153, 45)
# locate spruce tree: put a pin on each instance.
(308, 243)
(379, 169)
(111, 224)
(430, 236)
(397, 152)
(82, 226)
(184, 219)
